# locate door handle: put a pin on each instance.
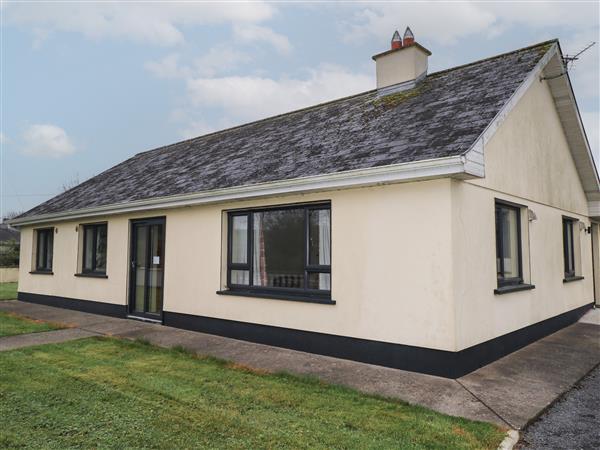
(133, 264)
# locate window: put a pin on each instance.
(508, 245)
(285, 250)
(94, 249)
(569, 247)
(44, 249)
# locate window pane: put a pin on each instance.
(239, 240)
(155, 288)
(569, 250)
(278, 256)
(50, 244)
(141, 262)
(499, 242)
(41, 246)
(319, 237)
(510, 244)
(319, 281)
(240, 277)
(101, 248)
(88, 236)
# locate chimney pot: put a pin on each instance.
(409, 37)
(396, 41)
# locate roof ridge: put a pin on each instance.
(254, 122)
(318, 105)
(489, 58)
(365, 136)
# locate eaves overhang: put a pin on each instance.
(461, 167)
(570, 118)
(594, 209)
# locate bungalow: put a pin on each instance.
(433, 224)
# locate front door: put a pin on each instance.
(147, 268)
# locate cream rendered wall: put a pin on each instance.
(391, 258)
(527, 162)
(63, 282)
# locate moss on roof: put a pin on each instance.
(440, 117)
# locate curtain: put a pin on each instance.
(258, 255)
(325, 247)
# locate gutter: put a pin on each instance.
(460, 166)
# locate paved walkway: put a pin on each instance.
(48, 337)
(508, 392)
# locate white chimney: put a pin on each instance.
(403, 65)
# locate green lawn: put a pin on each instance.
(109, 393)
(8, 291)
(11, 324)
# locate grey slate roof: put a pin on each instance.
(440, 117)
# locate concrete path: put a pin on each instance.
(47, 337)
(592, 316)
(509, 392)
(521, 385)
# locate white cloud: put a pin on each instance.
(220, 59)
(156, 23)
(3, 138)
(442, 24)
(196, 128)
(168, 67)
(544, 14)
(234, 100)
(591, 122)
(445, 23)
(257, 33)
(249, 98)
(47, 140)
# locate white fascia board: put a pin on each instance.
(454, 166)
(476, 152)
(594, 209)
(570, 117)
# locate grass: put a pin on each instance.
(12, 324)
(8, 291)
(109, 393)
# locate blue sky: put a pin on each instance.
(86, 85)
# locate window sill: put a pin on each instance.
(513, 288)
(278, 296)
(41, 272)
(92, 275)
(575, 278)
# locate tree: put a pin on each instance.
(9, 253)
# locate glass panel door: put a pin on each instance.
(147, 268)
(140, 263)
(155, 275)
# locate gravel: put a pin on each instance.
(573, 422)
